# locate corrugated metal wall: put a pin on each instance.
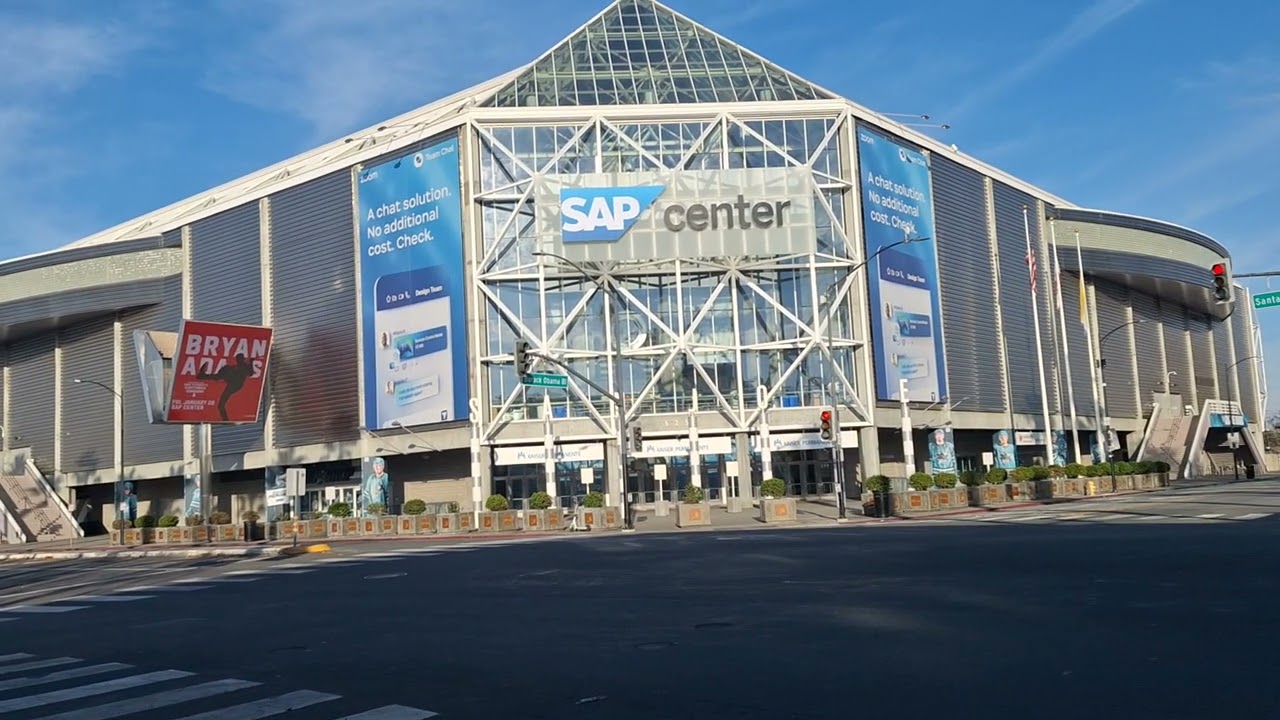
(1015, 300)
(1202, 355)
(88, 412)
(4, 363)
(31, 406)
(1146, 334)
(974, 370)
(144, 442)
(1081, 378)
(226, 286)
(313, 299)
(1173, 322)
(1242, 338)
(1223, 353)
(1112, 307)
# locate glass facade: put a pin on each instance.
(698, 334)
(639, 53)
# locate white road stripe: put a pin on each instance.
(1254, 516)
(15, 656)
(292, 571)
(392, 712)
(84, 691)
(330, 560)
(153, 701)
(246, 572)
(1076, 516)
(110, 598)
(7, 619)
(231, 579)
(1209, 516)
(42, 609)
(1149, 517)
(61, 675)
(1107, 517)
(266, 708)
(37, 664)
(179, 588)
(422, 552)
(380, 555)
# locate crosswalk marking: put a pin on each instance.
(153, 701)
(110, 598)
(154, 693)
(293, 571)
(187, 587)
(266, 708)
(37, 664)
(41, 609)
(59, 676)
(83, 691)
(392, 712)
(1210, 516)
(1254, 516)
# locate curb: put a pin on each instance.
(174, 553)
(1032, 503)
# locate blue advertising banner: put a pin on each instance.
(906, 321)
(1004, 452)
(413, 289)
(942, 451)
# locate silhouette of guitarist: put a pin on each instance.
(234, 377)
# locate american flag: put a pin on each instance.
(1032, 268)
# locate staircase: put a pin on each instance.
(27, 499)
(1168, 441)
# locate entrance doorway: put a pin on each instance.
(808, 473)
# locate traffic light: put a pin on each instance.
(824, 424)
(637, 439)
(522, 359)
(1221, 283)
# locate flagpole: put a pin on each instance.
(1032, 270)
(1062, 329)
(1101, 438)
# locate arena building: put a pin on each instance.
(673, 227)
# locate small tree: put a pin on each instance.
(920, 481)
(339, 510)
(878, 483)
(773, 488)
(415, 507)
(496, 503)
(540, 501)
(945, 480)
(593, 499)
(692, 494)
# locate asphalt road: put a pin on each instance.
(1154, 606)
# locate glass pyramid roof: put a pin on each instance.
(639, 52)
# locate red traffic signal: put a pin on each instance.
(1221, 283)
(826, 416)
(1219, 269)
(824, 424)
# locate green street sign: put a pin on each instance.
(546, 380)
(1266, 300)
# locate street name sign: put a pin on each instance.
(546, 380)
(1266, 300)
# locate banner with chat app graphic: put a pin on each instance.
(906, 308)
(413, 289)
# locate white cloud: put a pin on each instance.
(337, 65)
(44, 62)
(1083, 27)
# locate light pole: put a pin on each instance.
(1106, 414)
(837, 448)
(619, 399)
(120, 441)
(1231, 406)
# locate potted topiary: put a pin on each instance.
(194, 529)
(498, 515)
(877, 493)
(133, 534)
(167, 529)
(415, 519)
(775, 506)
(253, 530)
(340, 521)
(535, 514)
(221, 527)
(916, 497)
(693, 508)
(591, 511)
(944, 495)
(450, 521)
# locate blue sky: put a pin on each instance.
(1162, 108)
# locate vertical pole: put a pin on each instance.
(1035, 318)
(837, 448)
(1235, 446)
(621, 407)
(120, 461)
(1066, 345)
(204, 445)
(908, 442)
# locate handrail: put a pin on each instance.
(34, 472)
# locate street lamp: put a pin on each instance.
(120, 441)
(1105, 422)
(1231, 406)
(828, 299)
(619, 399)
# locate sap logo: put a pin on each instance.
(603, 214)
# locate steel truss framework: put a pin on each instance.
(514, 159)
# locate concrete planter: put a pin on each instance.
(350, 526)
(595, 518)
(424, 524)
(1098, 485)
(555, 519)
(161, 535)
(488, 521)
(535, 520)
(133, 536)
(508, 520)
(224, 533)
(466, 521)
(1124, 483)
(407, 524)
(333, 527)
(948, 498)
(987, 495)
(447, 523)
(693, 514)
(776, 510)
(1019, 491)
(388, 525)
(200, 534)
(370, 526)
(910, 501)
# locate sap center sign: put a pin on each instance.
(677, 213)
